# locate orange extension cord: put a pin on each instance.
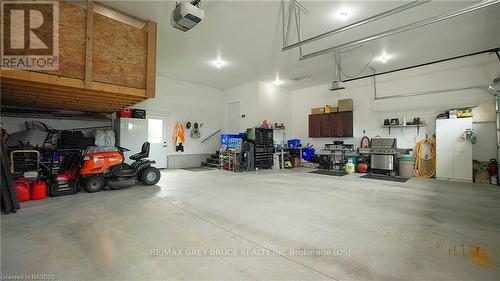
(425, 165)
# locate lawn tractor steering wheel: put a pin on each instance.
(122, 149)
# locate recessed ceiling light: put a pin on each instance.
(277, 82)
(219, 63)
(384, 57)
(343, 14)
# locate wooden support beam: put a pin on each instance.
(77, 84)
(59, 106)
(150, 28)
(24, 88)
(28, 100)
(13, 95)
(8, 85)
(118, 15)
(89, 43)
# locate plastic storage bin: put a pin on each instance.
(406, 166)
(354, 160)
(307, 153)
(293, 143)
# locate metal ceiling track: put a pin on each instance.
(356, 24)
(489, 51)
(404, 28)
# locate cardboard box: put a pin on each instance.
(296, 162)
(318, 110)
(330, 109)
(480, 171)
(464, 113)
(346, 105)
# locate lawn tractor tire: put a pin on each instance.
(95, 184)
(150, 176)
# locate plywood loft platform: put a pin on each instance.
(104, 65)
(24, 88)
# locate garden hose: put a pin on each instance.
(365, 142)
(425, 165)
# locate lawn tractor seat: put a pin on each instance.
(143, 154)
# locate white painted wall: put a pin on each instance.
(248, 97)
(369, 113)
(274, 104)
(179, 101)
(261, 101)
(275, 107)
(183, 102)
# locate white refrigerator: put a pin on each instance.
(131, 134)
(453, 152)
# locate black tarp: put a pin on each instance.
(8, 193)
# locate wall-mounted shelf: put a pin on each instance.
(405, 126)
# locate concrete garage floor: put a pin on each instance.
(419, 230)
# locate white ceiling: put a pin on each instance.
(248, 37)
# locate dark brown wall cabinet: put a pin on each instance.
(336, 124)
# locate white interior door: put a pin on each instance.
(233, 117)
(157, 137)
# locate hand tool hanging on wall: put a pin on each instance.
(195, 132)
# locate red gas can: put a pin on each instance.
(38, 190)
(22, 190)
(125, 113)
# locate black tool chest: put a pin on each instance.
(264, 148)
